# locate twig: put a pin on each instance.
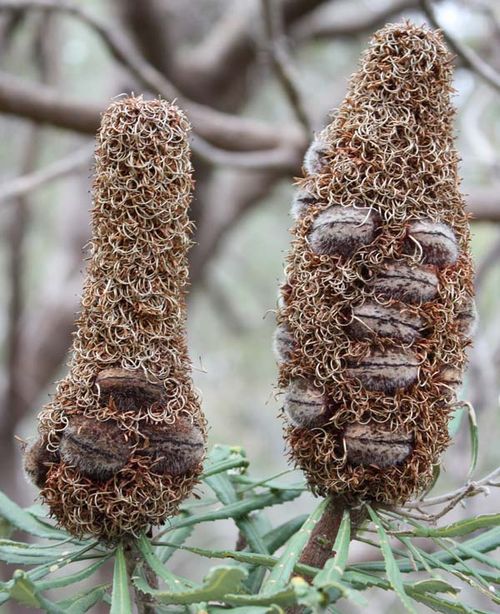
(449, 500)
(219, 128)
(280, 158)
(320, 26)
(57, 170)
(282, 64)
(229, 50)
(491, 259)
(469, 57)
(320, 545)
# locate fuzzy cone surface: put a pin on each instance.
(389, 149)
(132, 319)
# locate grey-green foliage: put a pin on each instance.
(262, 575)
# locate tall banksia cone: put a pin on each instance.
(375, 313)
(122, 442)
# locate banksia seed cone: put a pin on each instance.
(122, 442)
(375, 314)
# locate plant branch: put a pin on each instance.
(281, 62)
(469, 57)
(320, 545)
(319, 26)
(20, 186)
(221, 129)
(449, 500)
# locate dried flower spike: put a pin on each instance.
(122, 442)
(378, 295)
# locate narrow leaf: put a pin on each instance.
(391, 567)
(456, 529)
(175, 539)
(474, 437)
(23, 520)
(219, 582)
(235, 510)
(438, 604)
(72, 578)
(25, 592)
(82, 602)
(275, 538)
(120, 596)
(174, 583)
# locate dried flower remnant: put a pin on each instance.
(378, 295)
(122, 442)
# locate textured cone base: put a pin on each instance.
(389, 149)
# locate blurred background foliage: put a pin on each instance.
(57, 72)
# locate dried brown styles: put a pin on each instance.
(123, 440)
(377, 303)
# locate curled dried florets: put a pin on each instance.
(122, 442)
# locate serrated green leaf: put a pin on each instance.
(486, 542)
(219, 582)
(83, 601)
(28, 554)
(434, 586)
(391, 567)
(363, 580)
(25, 592)
(120, 596)
(274, 609)
(25, 521)
(71, 579)
(176, 538)
(275, 538)
(474, 437)
(471, 553)
(283, 597)
(235, 510)
(238, 462)
(439, 604)
(456, 529)
(329, 578)
(174, 583)
(222, 454)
